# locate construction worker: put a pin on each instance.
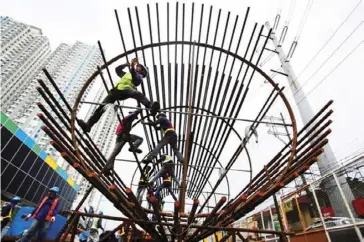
(125, 88)
(150, 193)
(167, 173)
(170, 137)
(7, 214)
(108, 236)
(143, 182)
(122, 234)
(161, 206)
(93, 235)
(122, 136)
(43, 215)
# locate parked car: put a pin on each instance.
(339, 232)
(331, 222)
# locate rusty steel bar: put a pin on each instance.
(155, 203)
(213, 228)
(76, 209)
(211, 215)
(274, 169)
(176, 216)
(279, 154)
(44, 89)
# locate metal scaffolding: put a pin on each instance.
(213, 95)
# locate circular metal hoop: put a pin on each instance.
(221, 50)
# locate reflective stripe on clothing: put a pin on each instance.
(146, 175)
(167, 130)
(51, 210)
(121, 231)
(125, 82)
(7, 216)
(95, 224)
(167, 179)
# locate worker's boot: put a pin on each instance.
(108, 167)
(146, 161)
(155, 108)
(84, 125)
(136, 150)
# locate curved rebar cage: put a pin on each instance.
(202, 65)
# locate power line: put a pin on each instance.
(304, 18)
(330, 38)
(329, 57)
(299, 31)
(319, 83)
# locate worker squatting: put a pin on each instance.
(127, 88)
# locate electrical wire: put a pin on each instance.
(329, 39)
(329, 57)
(323, 79)
(299, 31)
(304, 19)
(292, 5)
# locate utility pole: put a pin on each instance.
(327, 159)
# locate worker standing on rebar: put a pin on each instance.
(167, 173)
(125, 88)
(93, 235)
(143, 182)
(170, 137)
(43, 215)
(150, 192)
(122, 136)
(8, 212)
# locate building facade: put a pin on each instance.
(24, 51)
(27, 171)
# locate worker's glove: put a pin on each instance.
(53, 219)
(27, 217)
(133, 62)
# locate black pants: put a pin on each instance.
(169, 138)
(120, 95)
(4, 222)
(121, 140)
(167, 185)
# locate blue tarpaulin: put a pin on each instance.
(19, 224)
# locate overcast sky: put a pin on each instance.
(67, 21)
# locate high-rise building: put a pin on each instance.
(70, 66)
(23, 52)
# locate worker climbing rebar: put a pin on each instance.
(167, 173)
(43, 215)
(143, 182)
(122, 137)
(125, 88)
(93, 235)
(170, 137)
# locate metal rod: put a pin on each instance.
(282, 234)
(194, 114)
(215, 167)
(212, 228)
(347, 206)
(320, 213)
(188, 141)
